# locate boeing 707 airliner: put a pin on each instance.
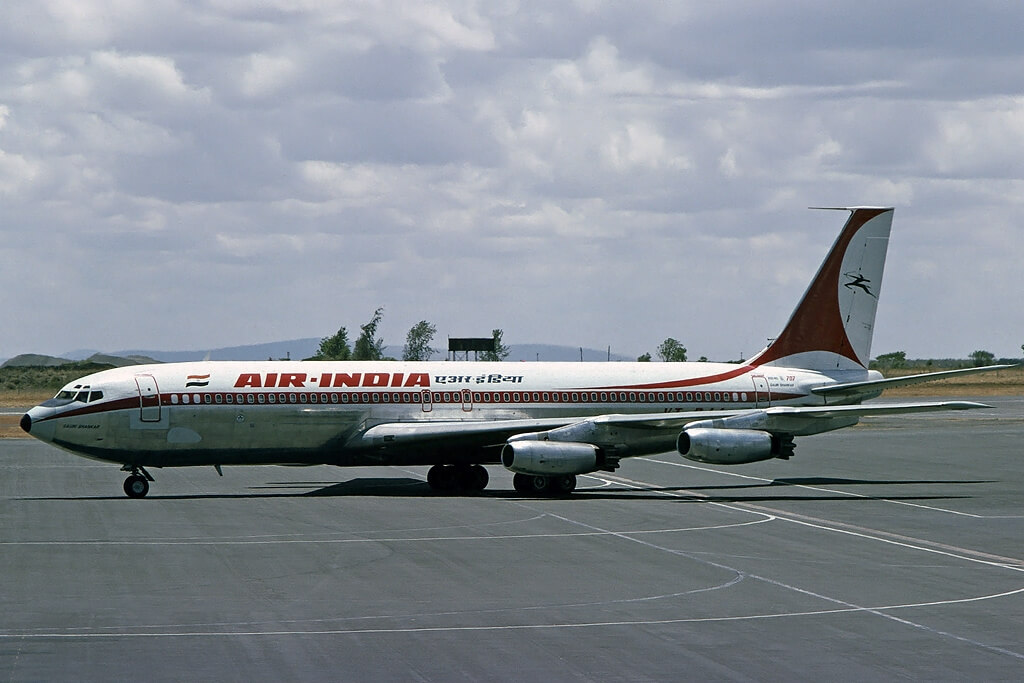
(546, 422)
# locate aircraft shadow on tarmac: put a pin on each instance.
(403, 487)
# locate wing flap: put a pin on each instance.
(403, 433)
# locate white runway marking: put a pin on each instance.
(833, 491)
(910, 542)
(517, 627)
(386, 539)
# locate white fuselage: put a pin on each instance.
(311, 412)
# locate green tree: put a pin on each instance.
(368, 346)
(671, 351)
(646, 358)
(894, 360)
(982, 358)
(417, 342)
(335, 347)
(500, 350)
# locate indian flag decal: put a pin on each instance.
(197, 380)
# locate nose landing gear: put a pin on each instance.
(136, 485)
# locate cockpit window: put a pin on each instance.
(79, 393)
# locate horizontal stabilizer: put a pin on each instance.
(876, 386)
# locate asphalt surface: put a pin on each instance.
(892, 549)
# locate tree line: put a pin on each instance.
(368, 346)
(897, 360)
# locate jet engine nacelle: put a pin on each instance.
(726, 446)
(549, 457)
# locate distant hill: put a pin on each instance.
(120, 361)
(297, 349)
(37, 360)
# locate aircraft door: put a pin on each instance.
(467, 400)
(426, 403)
(149, 398)
(762, 394)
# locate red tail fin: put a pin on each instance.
(832, 326)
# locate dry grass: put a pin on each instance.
(997, 383)
(17, 402)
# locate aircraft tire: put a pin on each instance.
(136, 486)
(433, 475)
(521, 482)
(442, 478)
(479, 478)
(538, 484)
(562, 485)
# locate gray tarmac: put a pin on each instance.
(892, 549)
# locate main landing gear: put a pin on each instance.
(453, 478)
(473, 478)
(540, 485)
(136, 485)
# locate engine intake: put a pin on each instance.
(549, 457)
(732, 446)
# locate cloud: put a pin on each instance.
(583, 173)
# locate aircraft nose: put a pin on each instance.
(26, 423)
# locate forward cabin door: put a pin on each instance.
(762, 395)
(149, 398)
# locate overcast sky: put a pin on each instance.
(190, 175)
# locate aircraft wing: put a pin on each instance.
(792, 420)
(614, 428)
(498, 431)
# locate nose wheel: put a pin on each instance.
(136, 485)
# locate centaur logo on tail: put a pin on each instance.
(546, 422)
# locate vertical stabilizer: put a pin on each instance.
(832, 326)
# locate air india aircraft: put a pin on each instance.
(546, 422)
